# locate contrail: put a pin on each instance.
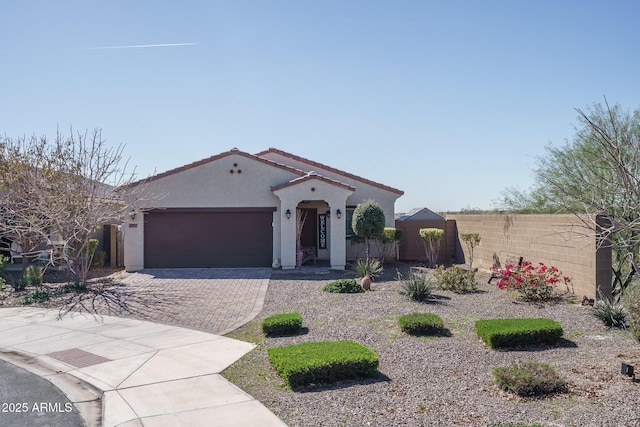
(140, 46)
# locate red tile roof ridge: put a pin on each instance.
(329, 168)
(313, 175)
(211, 159)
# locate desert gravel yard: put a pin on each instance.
(442, 381)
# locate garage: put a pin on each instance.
(210, 238)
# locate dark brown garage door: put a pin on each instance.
(208, 238)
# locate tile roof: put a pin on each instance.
(259, 157)
(213, 158)
(310, 176)
(329, 168)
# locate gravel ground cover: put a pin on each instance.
(443, 381)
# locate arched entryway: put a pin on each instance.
(325, 200)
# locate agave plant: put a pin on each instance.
(360, 268)
(610, 313)
(416, 286)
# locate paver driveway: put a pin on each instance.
(216, 300)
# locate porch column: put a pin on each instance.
(134, 242)
(338, 233)
(288, 234)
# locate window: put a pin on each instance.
(348, 220)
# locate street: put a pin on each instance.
(29, 400)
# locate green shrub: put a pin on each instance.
(323, 362)
(529, 379)
(33, 297)
(282, 324)
(98, 259)
(471, 240)
(390, 235)
(502, 333)
(360, 268)
(431, 238)
(19, 284)
(610, 313)
(417, 286)
(3, 269)
(344, 286)
(631, 300)
(421, 324)
(455, 279)
(368, 220)
(93, 245)
(75, 287)
(33, 275)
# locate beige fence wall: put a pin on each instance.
(553, 239)
(411, 244)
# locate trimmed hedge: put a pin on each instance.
(322, 362)
(344, 286)
(501, 333)
(421, 324)
(282, 324)
(529, 379)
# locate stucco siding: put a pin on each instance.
(363, 191)
(239, 180)
(214, 185)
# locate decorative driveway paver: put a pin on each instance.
(216, 300)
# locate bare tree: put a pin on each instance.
(57, 193)
(605, 182)
(597, 176)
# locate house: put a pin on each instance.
(420, 214)
(237, 209)
(412, 245)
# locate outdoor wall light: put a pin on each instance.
(627, 370)
(328, 213)
(339, 214)
(288, 213)
(132, 215)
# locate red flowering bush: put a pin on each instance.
(532, 283)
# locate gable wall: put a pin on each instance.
(363, 191)
(213, 185)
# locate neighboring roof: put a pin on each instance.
(420, 214)
(329, 168)
(310, 176)
(213, 158)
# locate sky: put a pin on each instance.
(449, 101)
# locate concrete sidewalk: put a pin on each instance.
(147, 374)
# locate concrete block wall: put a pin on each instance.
(552, 239)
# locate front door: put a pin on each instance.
(309, 235)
